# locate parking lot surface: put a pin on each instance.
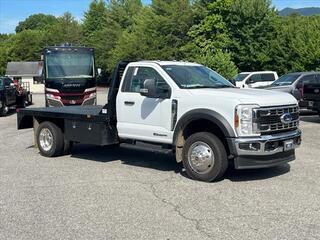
(128, 193)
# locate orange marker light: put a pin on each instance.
(236, 120)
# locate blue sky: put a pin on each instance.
(13, 11)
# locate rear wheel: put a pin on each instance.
(204, 157)
(50, 139)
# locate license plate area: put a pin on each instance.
(310, 103)
(288, 145)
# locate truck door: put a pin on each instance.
(139, 117)
(10, 92)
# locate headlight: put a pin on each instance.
(244, 124)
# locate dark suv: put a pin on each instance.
(8, 95)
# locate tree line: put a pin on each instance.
(228, 36)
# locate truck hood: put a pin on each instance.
(246, 96)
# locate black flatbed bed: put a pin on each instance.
(90, 113)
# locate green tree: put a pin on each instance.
(104, 24)
(220, 62)
(26, 45)
(243, 28)
(95, 18)
(36, 22)
(67, 29)
(159, 32)
(123, 12)
(252, 27)
(296, 45)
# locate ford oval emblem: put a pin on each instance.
(286, 118)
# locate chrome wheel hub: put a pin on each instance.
(46, 139)
(201, 157)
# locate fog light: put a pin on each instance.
(270, 146)
(250, 146)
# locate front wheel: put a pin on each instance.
(50, 139)
(4, 109)
(204, 157)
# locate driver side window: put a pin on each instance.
(307, 79)
(136, 76)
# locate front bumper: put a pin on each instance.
(266, 150)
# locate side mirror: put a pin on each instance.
(99, 71)
(149, 88)
(297, 93)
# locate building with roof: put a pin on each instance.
(27, 72)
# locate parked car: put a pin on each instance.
(185, 107)
(311, 93)
(293, 82)
(255, 79)
(13, 95)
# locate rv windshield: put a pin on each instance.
(69, 64)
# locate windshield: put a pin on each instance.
(286, 80)
(69, 64)
(195, 76)
(240, 77)
(1, 83)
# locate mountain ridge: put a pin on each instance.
(308, 11)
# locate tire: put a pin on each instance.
(4, 110)
(209, 147)
(29, 99)
(47, 147)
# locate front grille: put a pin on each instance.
(270, 120)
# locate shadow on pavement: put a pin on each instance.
(147, 158)
(256, 174)
(154, 159)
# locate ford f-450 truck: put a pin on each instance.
(207, 122)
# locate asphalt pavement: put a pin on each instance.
(131, 193)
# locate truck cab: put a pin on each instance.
(207, 122)
(255, 79)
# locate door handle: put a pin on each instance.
(129, 103)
